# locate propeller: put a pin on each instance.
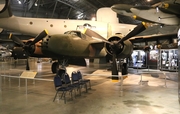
(28, 47)
(39, 37)
(141, 27)
(116, 46)
(16, 40)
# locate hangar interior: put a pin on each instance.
(151, 85)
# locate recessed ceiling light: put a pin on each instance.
(19, 2)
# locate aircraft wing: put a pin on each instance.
(166, 12)
(153, 37)
(153, 15)
(156, 32)
(97, 45)
(123, 9)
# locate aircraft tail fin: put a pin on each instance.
(5, 9)
(106, 15)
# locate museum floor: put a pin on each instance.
(159, 96)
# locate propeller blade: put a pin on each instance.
(95, 35)
(39, 37)
(16, 40)
(114, 67)
(141, 27)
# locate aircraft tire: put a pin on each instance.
(54, 67)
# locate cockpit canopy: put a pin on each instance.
(76, 33)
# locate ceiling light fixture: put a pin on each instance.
(19, 2)
(36, 3)
(157, 9)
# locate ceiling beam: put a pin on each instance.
(93, 6)
(70, 4)
(31, 3)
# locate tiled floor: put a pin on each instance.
(160, 96)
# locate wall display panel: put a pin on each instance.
(169, 59)
(153, 59)
(153, 55)
(138, 59)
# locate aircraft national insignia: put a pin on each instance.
(86, 25)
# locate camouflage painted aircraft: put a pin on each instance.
(64, 40)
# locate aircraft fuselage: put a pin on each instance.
(72, 46)
(34, 26)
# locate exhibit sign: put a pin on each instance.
(28, 74)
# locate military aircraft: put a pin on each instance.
(65, 40)
(75, 45)
(166, 12)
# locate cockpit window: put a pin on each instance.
(77, 33)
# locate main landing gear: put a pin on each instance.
(55, 65)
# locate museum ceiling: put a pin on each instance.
(71, 9)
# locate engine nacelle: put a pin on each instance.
(34, 50)
(124, 49)
(19, 53)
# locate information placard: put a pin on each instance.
(28, 74)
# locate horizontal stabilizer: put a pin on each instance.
(157, 17)
(122, 9)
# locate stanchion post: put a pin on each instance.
(34, 82)
(165, 79)
(19, 82)
(137, 68)
(26, 84)
(121, 87)
(0, 83)
(141, 80)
